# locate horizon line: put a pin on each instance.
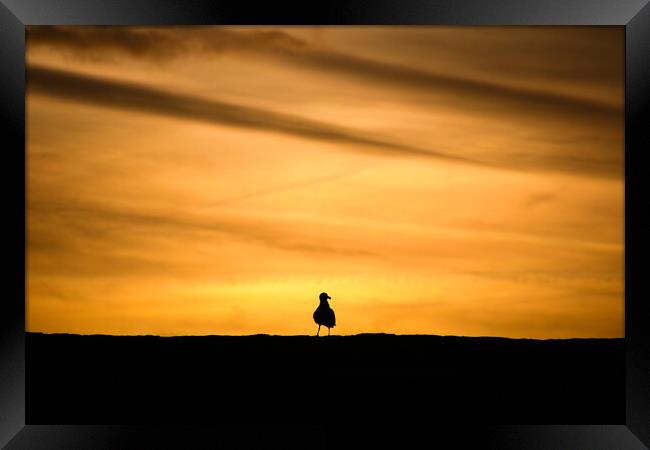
(311, 335)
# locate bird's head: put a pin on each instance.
(323, 296)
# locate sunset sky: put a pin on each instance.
(432, 180)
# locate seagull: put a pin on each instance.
(324, 315)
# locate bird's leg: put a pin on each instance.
(328, 330)
(318, 332)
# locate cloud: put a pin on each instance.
(126, 95)
(539, 198)
(88, 222)
(289, 186)
(166, 44)
(471, 94)
(154, 44)
(119, 94)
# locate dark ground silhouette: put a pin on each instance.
(147, 379)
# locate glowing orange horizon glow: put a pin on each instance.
(432, 180)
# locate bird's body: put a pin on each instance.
(324, 315)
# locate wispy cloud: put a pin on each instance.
(289, 186)
(155, 44)
(100, 223)
(119, 94)
(166, 44)
(126, 95)
(538, 199)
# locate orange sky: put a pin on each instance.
(432, 180)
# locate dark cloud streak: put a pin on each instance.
(155, 44)
(538, 199)
(467, 94)
(162, 45)
(126, 95)
(118, 94)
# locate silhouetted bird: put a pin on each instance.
(324, 315)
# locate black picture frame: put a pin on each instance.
(634, 15)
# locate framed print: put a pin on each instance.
(272, 225)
